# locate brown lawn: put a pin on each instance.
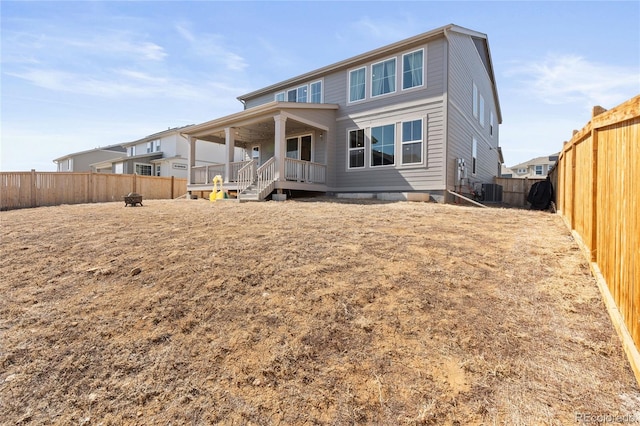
(302, 312)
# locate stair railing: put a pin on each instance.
(266, 178)
(246, 176)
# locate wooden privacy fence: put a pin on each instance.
(515, 190)
(35, 189)
(598, 195)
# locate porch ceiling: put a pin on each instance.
(255, 124)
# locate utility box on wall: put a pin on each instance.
(492, 192)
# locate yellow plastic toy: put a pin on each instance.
(217, 194)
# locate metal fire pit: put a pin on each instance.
(132, 199)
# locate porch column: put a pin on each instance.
(280, 148)
(191, 159)
(229, 144)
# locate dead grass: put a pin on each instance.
(303, 312)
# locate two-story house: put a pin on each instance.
(162, 154)
(536, 168)
(82, 161)
(418, 116)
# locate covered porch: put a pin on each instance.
(285, 145)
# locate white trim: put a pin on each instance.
(421, 142)
(395, 147)
(424, 74)
(349, 149)
(349, 101)
(395, 85)
(135, 168)
(321, 82)
(474, 100)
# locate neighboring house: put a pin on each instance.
(162, 154)
(82, 161)
(535, 168)
(417, 116)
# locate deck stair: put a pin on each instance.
(257, 184)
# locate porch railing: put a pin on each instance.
(205, 174)
(246, 175)
(266, 178)
(304, 171)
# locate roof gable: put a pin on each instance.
(365, 57)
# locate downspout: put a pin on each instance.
(445, 100)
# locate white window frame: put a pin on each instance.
(395, 77)
(481, 111)
(305, 90)
(131, 151)
(422, 83)
(475, 100)
(311, 93)
(157, 170)
(295, 93)
(395, 145)
(279, 97)
(145, 165)
(156, 145)
(538, 167)
(363, 148)
(349, 85)
(118, 168)
(412, 142)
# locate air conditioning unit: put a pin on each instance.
(492, 192)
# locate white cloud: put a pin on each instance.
(562, 79)
(119, 83)
(211, 48)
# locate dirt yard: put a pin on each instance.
(303, 312)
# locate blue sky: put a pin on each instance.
(79, 75)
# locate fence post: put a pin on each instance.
(594, 195)
(573, 185)
(34, 188)
(172, 180)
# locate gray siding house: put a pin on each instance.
(418, 116)
(83, 161)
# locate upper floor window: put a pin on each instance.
(306, 93)
(412, 69)
(153, 146)
(539, 169)
(475, 100)
(383, 77)
(356, 148)
(481, 111)
(316, 92)
(357, 82)
(383, 145)
(412, 142)
(131, 151)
